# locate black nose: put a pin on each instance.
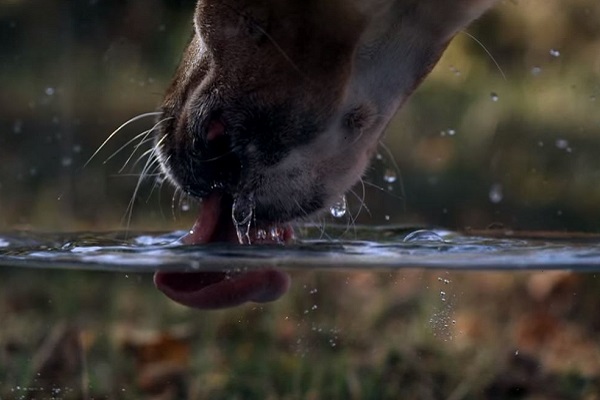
(215, 129)
(200, 158)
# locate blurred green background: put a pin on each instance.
(473, 149)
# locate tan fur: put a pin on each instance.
(304, 89)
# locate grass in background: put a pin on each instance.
(336, 335)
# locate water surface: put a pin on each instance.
(394, 247)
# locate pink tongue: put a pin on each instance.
(217, 289)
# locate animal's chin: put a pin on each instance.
(217, 289)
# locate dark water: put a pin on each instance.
(337, 247)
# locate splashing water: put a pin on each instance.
(390, 246)
(423, 235)
(449, 132)
(390, 176)
(242, 212)
(496, 195)
(562, 144)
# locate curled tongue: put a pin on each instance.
(218, 289)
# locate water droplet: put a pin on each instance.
(18, 126)
(314, 307)
(541, 144)
(423, 235)
(184, 206)
(535, 71)
(495, 193)
(390, 176)
(339, 208)
(451, 132)
(516, 352)
(277, 234)
(562, 144)
(77, 148)
(555, 53)
(379, 156)
(443, 296)
(387, 217)
(261, 234)
(49, 91)
(241, 213)
(494, 96)
(66, 161)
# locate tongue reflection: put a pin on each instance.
(217, 289)
(213, 290)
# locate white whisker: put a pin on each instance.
(130, 141)
(371, 184)
(487, 51)
(154, 173)
(361, 199)
(150, 175)
(147, 133)
(136, 118)
(141, 157)
(176, 194)
(398, 172)
(149, 162)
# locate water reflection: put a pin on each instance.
(368, 247)
(220, 275)
(216, 289)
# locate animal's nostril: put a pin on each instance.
(215, 130)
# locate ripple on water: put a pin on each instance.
(359, 248)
